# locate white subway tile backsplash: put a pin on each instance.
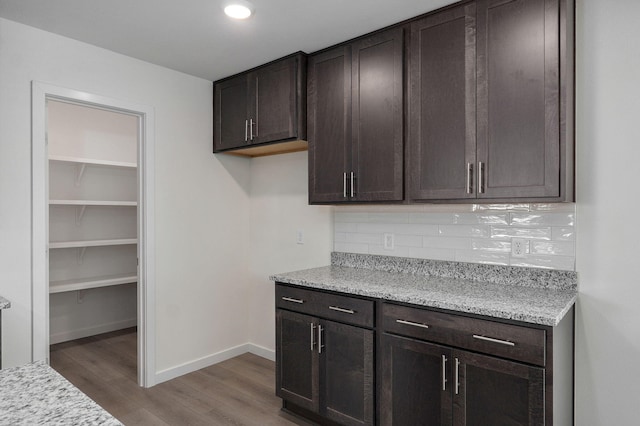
(389, 217)
(554, 207)
(431, 218)
(478, 233)
(509, 232)
(464, 231)
(432, 253)
(447, 242)
(351, 248)
(542, 219)
(375, 228)
(339, 217)
(408, 240)
(491, 245)
(345, 227)
(397, 251)
(481, 218)
(562, 248)
(565, 263)
(502, 207)
(475, 256)
(416, 229)
(364, 238)
(563, 234)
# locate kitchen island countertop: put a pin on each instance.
(35, 394)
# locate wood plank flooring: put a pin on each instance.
(239, 391)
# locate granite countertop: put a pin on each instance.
(35, 394)
(4, 303)
(528, 302)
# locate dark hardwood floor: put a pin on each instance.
(239, 391)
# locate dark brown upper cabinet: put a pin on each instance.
(491, 102)
(355, 121)
(262, 111)
(442, 132)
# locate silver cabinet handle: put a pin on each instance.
(490, 339)
(481, 177)
(319, 339)
(290, 299)
(344, 184)
(415, 324)
(353, 191)
(343, 310)
(246, 130)
(469, 178)
(457, 378)
(313, 334)
(444, 373)
(251, 128)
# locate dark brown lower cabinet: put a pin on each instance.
(325, 367)
(427, 384)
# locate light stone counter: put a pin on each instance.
(4, 303)
(522, 294)
(35, 394)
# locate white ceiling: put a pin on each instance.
(195, 37)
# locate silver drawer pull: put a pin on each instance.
(290, 299)
(313, 329)
(489, 339)
(444, 373)
(345, 311)
(415, 324)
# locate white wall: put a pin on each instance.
(608, 241)
(202, 201)
(279, 208)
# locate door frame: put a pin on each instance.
(40, 93)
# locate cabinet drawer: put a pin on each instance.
(504, 340)
(345, 309)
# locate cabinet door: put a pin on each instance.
(297, 359)
(274, 102)
(518, 98)
(346, 374)
(230, 113)
(377, 107)
(442, 96)
(494, 391)
(329, 124)
(415, 384)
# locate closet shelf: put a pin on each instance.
(92, 203)
(93, 282)
(92, 243)
(78, 160)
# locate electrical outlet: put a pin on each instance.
(519, 247)
(388, 243)
(300, 237)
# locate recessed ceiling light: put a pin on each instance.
(238, 10)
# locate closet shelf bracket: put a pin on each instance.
(79, 214)
(80, 168)
(81, 252)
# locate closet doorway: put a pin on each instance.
(92, 220)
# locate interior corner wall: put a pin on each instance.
(202, 201)
(279, 209)
(608, 249)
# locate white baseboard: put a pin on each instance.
(189, 367)
(263, 352)
(91, 331)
